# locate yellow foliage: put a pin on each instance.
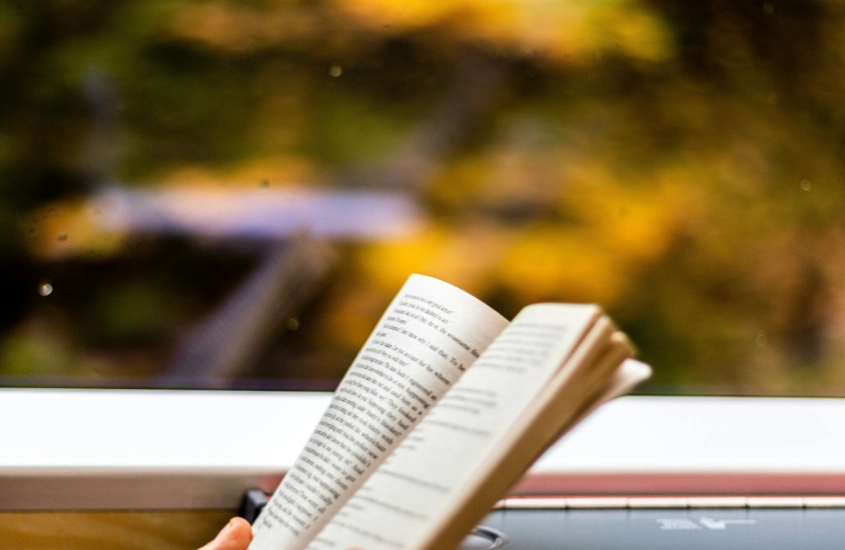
(70, 228)
(499, 177)
(555, 29)
(389, 263)
(466, 255)
(613, 229)
(546, 263)
(242, 29)
(276, 172)
(592, 231)
(636, 220)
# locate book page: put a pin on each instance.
(629, 374)
(398, 504)
(429, 335)
(559, 407)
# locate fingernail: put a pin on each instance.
(225, 529)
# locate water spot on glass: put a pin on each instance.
(63, 238)
(264, 185)
(772, 99)
(806, 185)
(336, 70)
(45, 288)
(768, 9)
(292, 324)
(761, 338)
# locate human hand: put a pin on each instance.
(235, 536)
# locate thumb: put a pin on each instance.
(236, 535)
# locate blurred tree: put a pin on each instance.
(680, 163)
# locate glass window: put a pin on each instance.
(226, 194)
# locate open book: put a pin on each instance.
(444, 408)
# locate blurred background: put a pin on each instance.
(227, 194)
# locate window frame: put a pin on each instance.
(75, 449)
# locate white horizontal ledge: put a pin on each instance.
(85, 430)
(666, 435)
(150, 449)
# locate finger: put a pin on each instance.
(235, 536)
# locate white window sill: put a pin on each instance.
(144, 449)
